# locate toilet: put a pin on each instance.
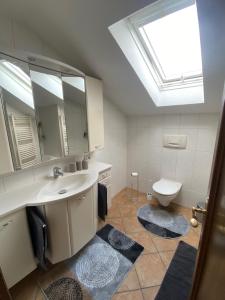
(166, 190)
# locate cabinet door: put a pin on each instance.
(6, 165)
(16, 255)
(58, 228)
(81, 219)
(94, 94)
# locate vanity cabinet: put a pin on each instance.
(16, 255)
(81, 220)
(72, 224)
(94, 96)
(58, 231)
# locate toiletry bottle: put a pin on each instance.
(85, 161)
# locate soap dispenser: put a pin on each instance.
(85, 161)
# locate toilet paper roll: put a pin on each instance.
(134, 174)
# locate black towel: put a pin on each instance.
(38, 232)
(102, 201)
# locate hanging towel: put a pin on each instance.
(102, 201)
(38, 232)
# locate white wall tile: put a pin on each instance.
(184, 168)
(192, 137)
(189, 120)
(115, 150)
(208, 120)
(155, 137)
(206, 139)
(201, 171)
(190, 166)
(169, 162)
(171, 121)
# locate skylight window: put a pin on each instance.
(173, 45)
(162, 44)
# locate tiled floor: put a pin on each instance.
(143, 281)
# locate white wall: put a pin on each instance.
(16, 36)
(115, 150)
(191, 166)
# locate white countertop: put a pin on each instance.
(28, 196)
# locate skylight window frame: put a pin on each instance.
(159, 10)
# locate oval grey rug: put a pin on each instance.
(162, 222)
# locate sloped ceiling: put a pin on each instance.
(78, 30)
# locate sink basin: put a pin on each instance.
(65, 186)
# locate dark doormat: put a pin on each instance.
(177, 282)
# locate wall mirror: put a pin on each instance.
(75, 113)
(19, 111)
(44, 110)
(49, 104)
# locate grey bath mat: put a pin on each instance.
(64, 288)
(98, 269)
(162, 222)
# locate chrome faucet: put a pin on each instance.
(57, 172)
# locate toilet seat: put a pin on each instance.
(166, 187)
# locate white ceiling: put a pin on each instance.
(78, 30)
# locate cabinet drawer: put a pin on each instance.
(104, 175)
(106, 181)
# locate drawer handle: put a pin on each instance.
(5, 225)
(83, 197)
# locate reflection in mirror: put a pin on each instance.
(75, 114)
(17, 98)
(48, 97)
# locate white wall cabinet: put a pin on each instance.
(16, 254)
(81, 220)
(94, 96)
(6, 165)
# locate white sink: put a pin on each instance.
(65, 186)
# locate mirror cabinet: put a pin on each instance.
(43, 113)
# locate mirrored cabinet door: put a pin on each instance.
(19, 111)
(49, 104)
(75, 114)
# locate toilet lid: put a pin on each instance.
(166, 187)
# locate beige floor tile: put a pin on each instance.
(130, 283)
(128, 210)
(163, 244)
(26, 288)
(166, 257)
(150, 270)
(144, 239)
(114, 212)
(117, 223)
(131, 224)
(121, 200)
(192, 238)
(134, 295)
(150, 293)
(198, 230)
